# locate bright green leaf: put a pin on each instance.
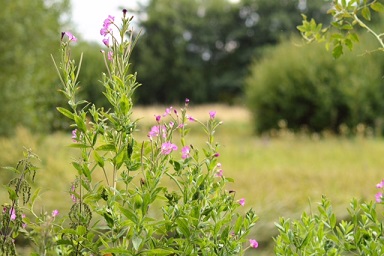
(378, 7)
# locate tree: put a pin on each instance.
(201, 49)
(30, 30)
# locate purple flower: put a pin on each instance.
(216, 154)
(55, 213)
(104, 31)
(242, 201)
(156, 131)
(74, 135)
(157, 117)
(379, 197)
(110, 55)
(12, 212)
(219, 173)
(212, 114)
(190, 118)
(106, 41)
(253, 243)
(72, 192)
(185, 152)
(23, 225)
(167, 111)
(70, 36)
(186, 101)
(380, 185)
(108, 21)
(167, 148)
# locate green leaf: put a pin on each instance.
(11, 169)
(159, 251)
(377, 7)
(118, 160)
(81, 230)
(182, 226)
(65, 112)
(337, 51)
(117, 251)
(35, 195)
(124, 104)
(136, 242)
(108, 219)
(99, 159)
(106, 147)
(12, 194)
(366, 13)
(129, 214)
(78, 145)
(80, 123)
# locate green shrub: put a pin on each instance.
(322, 234)
(307, 88)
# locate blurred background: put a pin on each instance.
(294, 116)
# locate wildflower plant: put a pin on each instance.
(161, 196)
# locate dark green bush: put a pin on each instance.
(306, 87)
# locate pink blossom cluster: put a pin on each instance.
(379, 195)
(105, 31)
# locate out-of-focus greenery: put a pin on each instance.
(281, 176)
(30, 32)
(202, 49)
(304, 86)
(188, 48)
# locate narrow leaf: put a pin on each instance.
(65, 112)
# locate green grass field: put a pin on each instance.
(280, 176)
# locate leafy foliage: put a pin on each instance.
(348, 18)
(203, 48)
(114, 215)
(308, 89)
(322, 234)
(29, 30)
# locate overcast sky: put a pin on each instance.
(88, 15)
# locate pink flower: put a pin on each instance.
(104, 31)
(55, 213)
(186, 101)
(70, 36)
(72, 192)
(23, 225)
(106, 41)
(219, 173)
(379, 197)
(242, 201)
(380, 185)
(110, 56)
(157, 117)
(253, 243)
(108, 21)
(167, 148)
(12, 212)
(212, 114)
(190, 118)
(167, 111)
(185, 152)
(74, 135)
(216, 154)
(156, 131)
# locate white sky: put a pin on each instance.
(88, 15)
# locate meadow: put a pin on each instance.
(280, 175)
